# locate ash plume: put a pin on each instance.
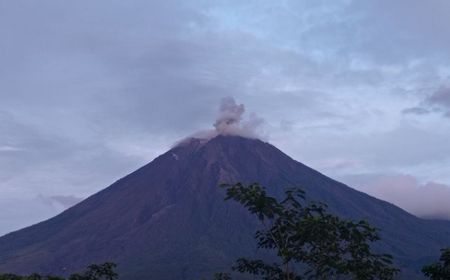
(231, 121)
(230, 115)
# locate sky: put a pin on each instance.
(92, 90)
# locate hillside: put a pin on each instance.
(168, 219)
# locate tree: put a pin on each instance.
(104, 271)
(97, 272)
(33, 276)
(10, 277)
(309, 242)
(439, 270)
(222, 276)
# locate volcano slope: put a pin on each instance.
(168, 220)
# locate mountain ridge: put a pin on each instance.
(168, 218)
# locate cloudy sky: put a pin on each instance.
(91, 90)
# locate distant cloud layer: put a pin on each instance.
(429, 200)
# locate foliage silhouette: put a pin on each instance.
(439, 270)
(309, 242)
(105, 271)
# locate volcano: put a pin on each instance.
(168, 219)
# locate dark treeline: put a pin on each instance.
(104, 271)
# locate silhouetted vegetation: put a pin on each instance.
(439, 270)
(309, 242)
(104, 271)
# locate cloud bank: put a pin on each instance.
(428, 200)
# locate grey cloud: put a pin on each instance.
(438, 102)
(395, 31)
(385, 32)
(416, 111)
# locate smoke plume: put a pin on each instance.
(231, 121)
(230, 116)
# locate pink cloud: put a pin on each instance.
(424, 200)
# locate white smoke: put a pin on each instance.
(231, 121)
(230, 116)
